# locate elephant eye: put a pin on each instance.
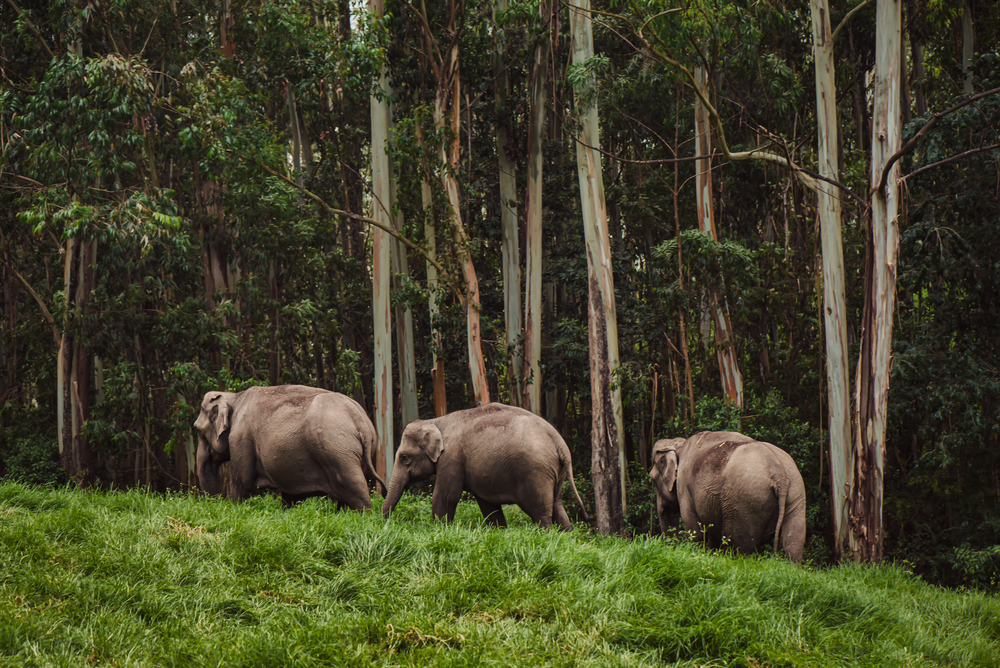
(404, 460)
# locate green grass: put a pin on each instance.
(135, 579)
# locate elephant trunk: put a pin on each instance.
(208, 472)
(397, 485)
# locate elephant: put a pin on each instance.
(726, 485)
(500, 454)
(300, 441)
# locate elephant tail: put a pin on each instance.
(781, 488)
(567, 463)
(367, 449)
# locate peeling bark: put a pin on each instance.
(532, 386)
(381, 265)
(608, 465)
(874, 365)
(834, 304)
(511, 259)
(732, 379)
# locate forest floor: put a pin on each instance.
(139, 579)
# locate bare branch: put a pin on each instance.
(954, 158)
(909, 146)
(33, 28)
(41, 305)
(850, 15)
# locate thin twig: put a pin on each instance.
(953, 158)
(920, 135)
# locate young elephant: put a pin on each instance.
(501, 454)
(727, 485)
(300, 441)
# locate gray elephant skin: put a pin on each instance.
(726, 485)
(300, 441)
(500, 454)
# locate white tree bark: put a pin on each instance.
(430, 239)
(511, 256)
(872, 382)
(608, 463)
(834, 306)
(381, 264)
(732, 379)
(533, 219)
(405, 358)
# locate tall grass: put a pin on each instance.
(135, 579)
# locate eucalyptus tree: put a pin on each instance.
(381, 264)
(540, 75)
(608, 459)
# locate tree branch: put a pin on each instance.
(920, 135)
(850, 15)
(33, 28)
(954, 158)
(41, 305)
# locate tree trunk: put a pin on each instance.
(447, 105)
(968, 47)
(834, 305)
(511, 257)
(689, 384)
(732, 379)
(532, 386)
(872, 381)
(608, 466)
(430, 238)
(404, 327)
(381, 250)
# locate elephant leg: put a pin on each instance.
(353, 491)
(560, 517)
(793, 535)
(493, 513)
(539, 507)
(444, 500)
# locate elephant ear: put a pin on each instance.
(433, 444)
(220, 414)
(665, 461)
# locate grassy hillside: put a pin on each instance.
(133, 579)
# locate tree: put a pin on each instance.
(608, 462)
(732, 379)
(872, 376)
(834, 304)
(381, 266)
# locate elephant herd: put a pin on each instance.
(304, 441)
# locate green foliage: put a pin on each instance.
(33, 461)
(140, 579)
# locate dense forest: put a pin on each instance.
(202, 195)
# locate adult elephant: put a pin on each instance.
(301, 441)
(500, 454)
(727, 486)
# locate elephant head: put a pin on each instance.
(212, 426)
(664, 475)
(416, 459)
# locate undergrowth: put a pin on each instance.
(137, 579)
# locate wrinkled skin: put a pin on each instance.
(300, 441)
(500, 454)
(725, 485)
